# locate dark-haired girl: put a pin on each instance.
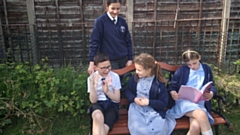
(111, 36)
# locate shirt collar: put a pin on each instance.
(200, 67)
(199, 70)
(111, 17)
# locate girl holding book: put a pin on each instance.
(148, 98)
(195, 74)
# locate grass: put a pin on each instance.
(60, 125)
(233, 116)
(64, 124)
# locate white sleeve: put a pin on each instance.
(88, 84)
(117, 83)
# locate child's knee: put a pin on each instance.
(200, 113)
(97, 115)
(195, 127)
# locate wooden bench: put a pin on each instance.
(121, 127)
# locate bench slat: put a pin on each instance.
(124, 70)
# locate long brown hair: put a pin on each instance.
(148, 62)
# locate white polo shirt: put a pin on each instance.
(113, 84)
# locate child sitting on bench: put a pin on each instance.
(104, 88)
(148, 98)
(195, 74)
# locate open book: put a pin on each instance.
(193, 94)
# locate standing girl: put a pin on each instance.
(111, 36)
(195, 74)
(148, 98)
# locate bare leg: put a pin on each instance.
(194, 127)
(201, 118)
(106, 128)
(99, 128)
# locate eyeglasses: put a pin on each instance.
(105, 68)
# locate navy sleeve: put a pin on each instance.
(131, 89)
(95, 40)
(162, 99)
(128, 40)
(213, 88)
(174, 84)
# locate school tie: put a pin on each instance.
(114, 21)
(105, 94)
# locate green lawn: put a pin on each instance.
(66, 125)
(60, 125)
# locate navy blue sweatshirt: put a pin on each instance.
(111, 39)
(158, 96)
(181, 77)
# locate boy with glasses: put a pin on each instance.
(104, 94)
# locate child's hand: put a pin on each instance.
(137, 100)
(144, 101)
(129, 62)
(207, 95)
(105, 86)
(174, 95)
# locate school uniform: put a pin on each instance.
(112, 38)
(195, 78)
(151, 119)
(104, 103)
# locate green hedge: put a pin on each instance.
(37, 92)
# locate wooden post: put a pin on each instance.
(2, 41)
(130, 8)
(225, 24)
(199, 23)
(104, 6)
(31, 23)
(9, 36)
(83, 34)
(130, 15)
(59, 30)
(175, 26)
(155, 28)
(200, 17)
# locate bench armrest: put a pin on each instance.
(220, 100)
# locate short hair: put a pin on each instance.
(100, 57)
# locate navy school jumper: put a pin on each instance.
(111, 39)
(181, 77)
(158, 96)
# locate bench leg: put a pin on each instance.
(216, 129)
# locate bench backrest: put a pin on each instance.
(164, 66)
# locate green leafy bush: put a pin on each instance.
(228, 85)
(37, 92)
